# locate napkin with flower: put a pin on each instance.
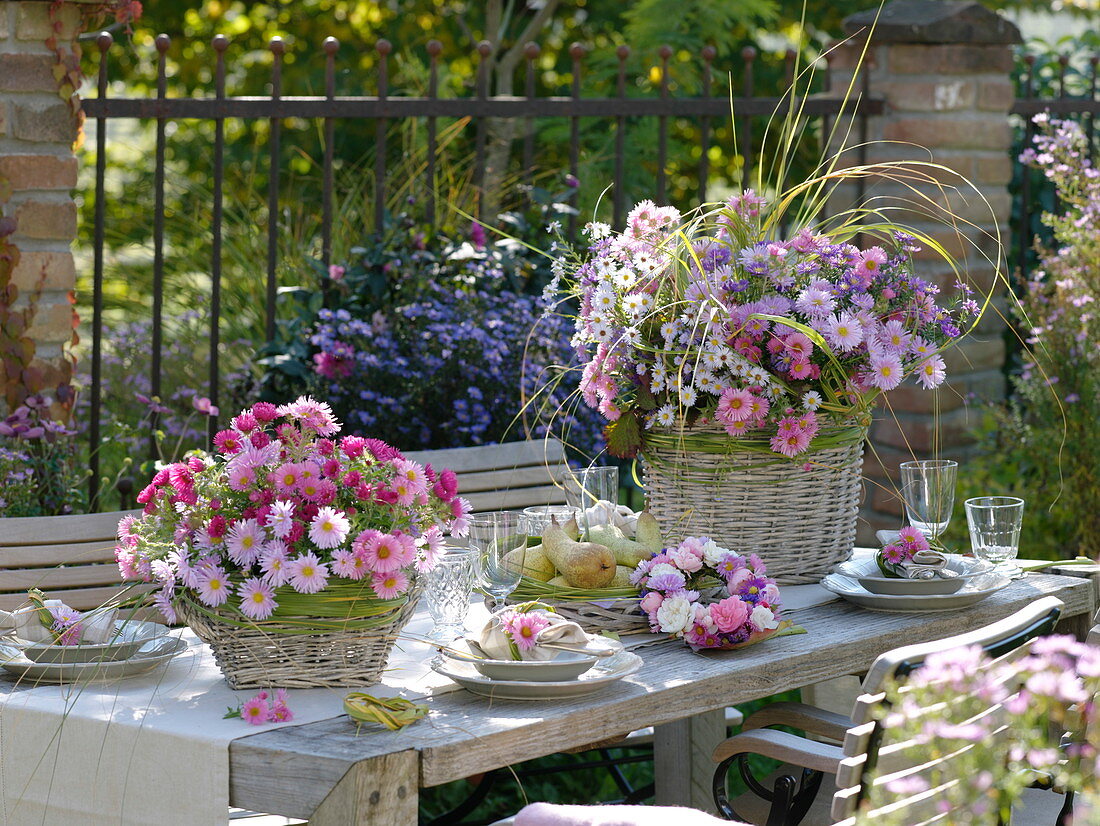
(53, 622)
(521, 632)
(909, 556)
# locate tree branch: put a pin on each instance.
(510, 59)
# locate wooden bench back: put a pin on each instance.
(71, 558)
(874, 757)
(508, 476)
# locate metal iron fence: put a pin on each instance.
(384, 110)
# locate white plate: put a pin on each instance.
(603, 673)
(866, 570)
(148, 657)
(129, 637)
(975, 590)
(565, 665)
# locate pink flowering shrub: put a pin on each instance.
(675, 587)
(714, 318)
(938, 711)
(287, 507)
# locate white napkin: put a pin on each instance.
(96, 626)
(494, 641)
(923, 561)
(608, 513)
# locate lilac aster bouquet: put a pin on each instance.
(673, 584)
(287, 520)
(714, 317)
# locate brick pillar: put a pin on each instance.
(944, 71)
(37, 131)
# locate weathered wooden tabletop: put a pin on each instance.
(327, 772)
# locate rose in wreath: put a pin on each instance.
(678, 594)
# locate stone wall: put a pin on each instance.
(944, 71)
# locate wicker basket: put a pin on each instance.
(622, 616)
(799, 515)
(290, 654)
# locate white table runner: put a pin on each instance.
(154, 749)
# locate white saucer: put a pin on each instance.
(603, 673)
(129, 637)
(148, 657)
(975, 590)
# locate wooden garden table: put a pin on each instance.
(326, 772)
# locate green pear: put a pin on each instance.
(627, 551)
(558, 582)
(622, 577)
(583, 564)
(648, 532)
(531, 562)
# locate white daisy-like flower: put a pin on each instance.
(711, 360)
(644, 262)
(632, 336)
(623, 278)
(597, 230)
(604, 267)
(632, 305)
(666, 415)
(668, 330)
(705, 382)
(604, 298)
(775, 391)
(688, 396)
(599, 332)
(811, 400)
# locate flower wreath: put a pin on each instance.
(893, 557)
(673, 585)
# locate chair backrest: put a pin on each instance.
(508, 476)
(872, 759)
(71, 558)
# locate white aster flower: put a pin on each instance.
(688, 396)
(665, 416)
(597, 230)
(812, 400)
(623, 278)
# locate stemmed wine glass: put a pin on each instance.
(928, 490)
(492, 537)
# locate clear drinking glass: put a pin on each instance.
(995, 523)
(492, 537)
(592, 484)
(540, 516)
(928, 490)
(447, 590)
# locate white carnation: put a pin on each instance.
(763, 618)
(713, 553)
(675, 614)
(663, 568)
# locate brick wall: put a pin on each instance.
(944, 71)
(37, 132)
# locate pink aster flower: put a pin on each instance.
(524, 629)
(913, 539)
(792, 443)
(312, 414)
(844, 332)
(308, 574)
(329, 528)
(896, 554)
(886, 371)
(274, 562)
(431, 546)
(389, 584)
(286, 477)
(244, 542)
(256, 710)
(384, 552)
(257, 598)
(348, 565)
(931, 372)
(413, 473)
(213, 586)
(734, 405)
(280, 711)
(869, 263)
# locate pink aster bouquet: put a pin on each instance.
(893, 556)
(715, 317)
(675, 586)
(287, 509)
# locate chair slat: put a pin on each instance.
(48, 579)
(510, 479)
(40, 556)
(51, 530)
(491, 457)
(82, 599)
(516, 499)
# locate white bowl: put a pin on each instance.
(130, 635)
(565, 666)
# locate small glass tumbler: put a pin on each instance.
(447, 590)
(928, 490)
(540, 516)
(591, 485)
(995, 523)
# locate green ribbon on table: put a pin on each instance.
(392, 712)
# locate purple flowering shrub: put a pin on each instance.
(1049, 437)
(39, 474)
(939, 709)
(434, 341)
